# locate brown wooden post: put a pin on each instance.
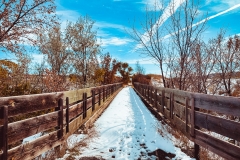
(196, 146)
(99, 96)
(84, 106)
(60, 118)
(172, 104)
(104, 94)
(148, 94)
(93, 99)
(163, 98)
(67, 114)
(156, 100)
(3, 133)
(186, 114)
(192, 117)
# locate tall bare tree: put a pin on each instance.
(53, 45)
(139, 69)
(150, 40)
(227, 53)
(82, 41)
(184, 33)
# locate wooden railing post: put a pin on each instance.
(84, 105)
(156, 100)
(148, 94)
(93, 99)
(196, 146)
(163, 99)
(67, 114)
(171, 104)
(60, 118)
(99, 96)
(3, 133)
(186, 114)
(104, 94)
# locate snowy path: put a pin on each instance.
(127, 130)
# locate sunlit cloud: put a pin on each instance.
(115, 41)
(208, 18)
(100, 25)
(168, 11)
(152, 5)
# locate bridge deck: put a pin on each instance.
(126, 130)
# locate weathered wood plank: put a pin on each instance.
(181, 125)
(220, 104)
(75, 110)
(179, 110)
(220, 147)
(35, 147)
(177, 93)
(3, 133)
(76, 95)
(28, 127)
(89, 103)
(18, 105)
(222, 126)
(75, 124)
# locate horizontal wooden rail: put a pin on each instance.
(55, 115)
(191, 114)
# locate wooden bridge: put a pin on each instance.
(195, 114)
(62, 114)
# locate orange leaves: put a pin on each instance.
(53, 82)
(21, 19)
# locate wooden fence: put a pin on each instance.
(196, 114)
(67, 111)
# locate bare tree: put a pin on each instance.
(203, 61)
(21, 20)
(150, 41)
(82, 41)
(227, 53)
(53, 45)
(184, 33)
(139, 69)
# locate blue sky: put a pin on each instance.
(113, 17)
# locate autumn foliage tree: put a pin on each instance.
(125, 71)
(21, 20)
(82, 41)
(110, 67)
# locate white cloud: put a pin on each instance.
(209, 18)
(114, 41)
(220, 5)
(152, 5)
(101, 24)
(141, 61)
(170, 9)
(67, 16)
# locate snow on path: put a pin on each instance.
(127, 130)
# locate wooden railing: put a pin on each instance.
(64, 113)
(196, 114)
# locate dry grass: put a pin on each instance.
(205, 154)
(74, 148)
